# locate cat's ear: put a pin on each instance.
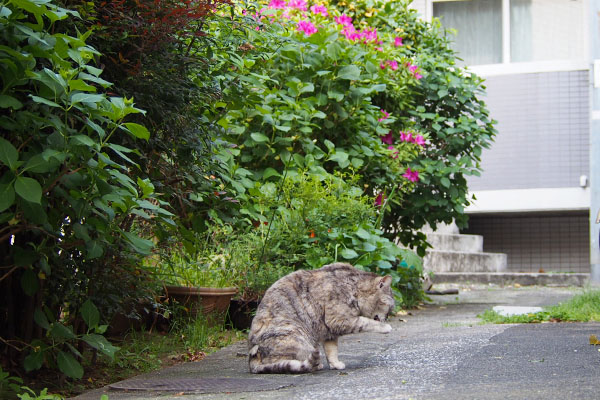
(385, 282)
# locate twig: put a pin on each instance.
(6, 275)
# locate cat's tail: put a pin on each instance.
(279, 367)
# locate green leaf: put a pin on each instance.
(90, 314)
(69, 365)
(445, 182)
(137, 130)
(84, 140)
(29, 282)
(269, 172)
(363, 234)
(140, 245)
(259, 137)
(7, 101)
(334, 50)
(348, 254)
(94, 249)
(40, 318)
(7, 196)
(59, 331)
(8, 154)
(86, 98)
(34, 360)
(349, 72)
(29, 189)
(100, 343)
(78, 84)
(40, 165)
(42, 100)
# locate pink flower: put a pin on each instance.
(388, 139)
(395, 154)
(393, 64)
(406, 136)
(414, 70)
(386, 115)
(351, 33)
(411, 175)
(382, 65)
(379, 48)
(319, 9)
(397, 41)
(369, 35)
(379, 200)
(343, 20)
(277, 4)
(419, 140)
(298, 5)
(307, 27)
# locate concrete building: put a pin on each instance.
(533, 197)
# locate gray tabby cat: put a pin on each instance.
(307, 308)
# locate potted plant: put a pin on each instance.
(201, 284)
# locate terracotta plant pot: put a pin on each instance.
(211, 302)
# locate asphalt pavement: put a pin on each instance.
(440, 351)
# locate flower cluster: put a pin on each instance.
(414, 70)
(307, 27)
(319, 9)
(416, 139)
(385, 115)
(365, 36)
(407, 137)
(411, 175)
(393, 64)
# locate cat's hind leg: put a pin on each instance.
(284, 356)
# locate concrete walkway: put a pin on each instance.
(438, 352)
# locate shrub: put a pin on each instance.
(372, 90)
(312, 220)
(67, 200)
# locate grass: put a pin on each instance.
(583, 307)
(141, 352)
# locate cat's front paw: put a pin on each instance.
(337, 365)
(385, 328)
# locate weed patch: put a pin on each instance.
(583, 307)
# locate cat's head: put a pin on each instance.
(377, 300)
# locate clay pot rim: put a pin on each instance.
(171, 289)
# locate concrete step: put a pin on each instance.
(458, 261)
(449, 229)
(456, 242)
(511, 278)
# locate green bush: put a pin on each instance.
(67, 200)
(312, 220)
(380, 96)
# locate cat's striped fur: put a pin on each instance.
(306, 309)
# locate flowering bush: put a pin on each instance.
(368, 88)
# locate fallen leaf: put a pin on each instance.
(594, 340)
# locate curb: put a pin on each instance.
(522, 278)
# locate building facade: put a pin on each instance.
(533, 197)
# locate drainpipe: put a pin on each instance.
(594, 38)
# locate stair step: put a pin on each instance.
(456, 242)
(510, 278)
(458, 261)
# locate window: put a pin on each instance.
(513, 31)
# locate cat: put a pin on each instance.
(307, 308)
